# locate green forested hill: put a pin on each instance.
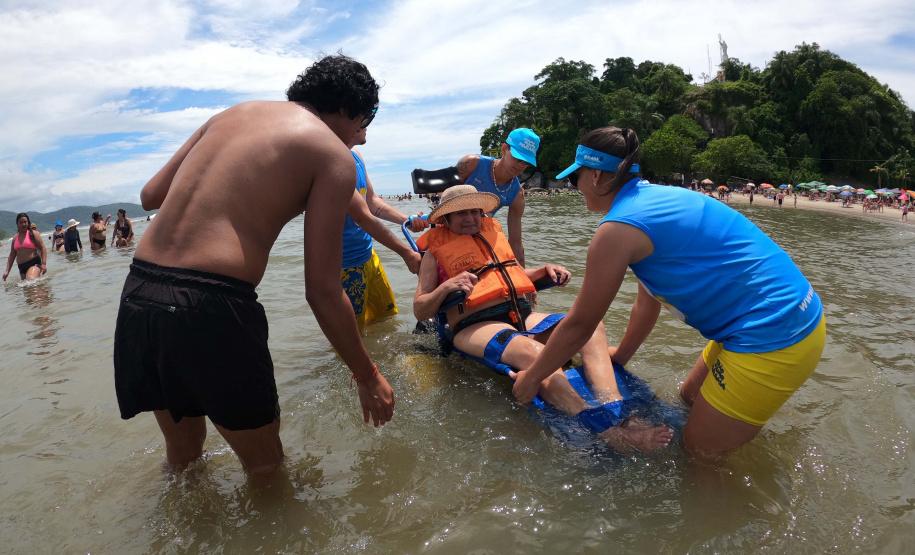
(807, 115)
(83, 214)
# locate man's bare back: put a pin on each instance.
(241, 177)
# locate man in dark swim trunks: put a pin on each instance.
(191, 339)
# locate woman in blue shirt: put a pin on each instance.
(713, 269)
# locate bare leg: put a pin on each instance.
(710, 434)
(260, 449)
(558, 392)
(33, 273)
(183, 440)
(689, 389)
(598, 368)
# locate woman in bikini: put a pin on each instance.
(28, 250)
(123, 230)
(98, 230)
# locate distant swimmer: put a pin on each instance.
(191, 338)
(500, 177)
(122, 235)
(363, 277)
(57, 238)
(72, 242)
(729, 281)
(98, 230)
(27, 250)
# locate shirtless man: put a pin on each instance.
(191, 339)
(500, 177)
(98, 231)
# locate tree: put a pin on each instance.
(671, 149)
(734, 156)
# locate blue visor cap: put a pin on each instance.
(524, 144)
(589, 158)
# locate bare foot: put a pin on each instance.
(636, 434)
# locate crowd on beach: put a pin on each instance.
(191, 300)
(29, 252)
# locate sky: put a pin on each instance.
(96, 95)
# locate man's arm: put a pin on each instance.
(515, 211)
(381, 209)
(327, 203)
(359, 211)
(153, 193)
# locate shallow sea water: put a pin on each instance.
(462, 468)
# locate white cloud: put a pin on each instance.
(447, 67)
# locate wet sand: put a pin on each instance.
(803, 203)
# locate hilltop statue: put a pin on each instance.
(723, 48)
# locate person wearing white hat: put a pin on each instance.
(72, 242)
(468, 252)
(499, 176)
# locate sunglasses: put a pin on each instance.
(573, 178)
(367, 119)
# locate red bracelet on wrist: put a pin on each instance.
(374, 373)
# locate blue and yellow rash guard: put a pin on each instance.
(357, 244)
(716, 270)
(481, 178)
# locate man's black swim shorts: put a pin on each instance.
(195, 344)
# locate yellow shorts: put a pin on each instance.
(752, 386)
(369, 291)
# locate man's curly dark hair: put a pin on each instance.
(336, 83)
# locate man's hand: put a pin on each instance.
(377, 400)
(417, 224)
(465, 281)
(558, 274)
(412, 259)
(525, 388)
(6, 275)
(44, 269)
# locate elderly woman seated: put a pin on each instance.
(468, 252)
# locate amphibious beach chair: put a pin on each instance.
(638, 398)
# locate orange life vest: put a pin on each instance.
(481, 254)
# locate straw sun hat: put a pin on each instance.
(72, 223)
(463, 197)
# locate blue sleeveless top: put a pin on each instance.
(481, 178)
(357, 244)
(715, 270)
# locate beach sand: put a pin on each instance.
(803, 203)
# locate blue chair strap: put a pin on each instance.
(492, 354)
(545, 324)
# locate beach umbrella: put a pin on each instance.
(821, 188)
(871, 196)
(903, 196)
(911, 194)
(846, 194)
(847, 188)
(859, 191)
(766, 185)
(831, 188)
(869, 192)
(783, 186)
